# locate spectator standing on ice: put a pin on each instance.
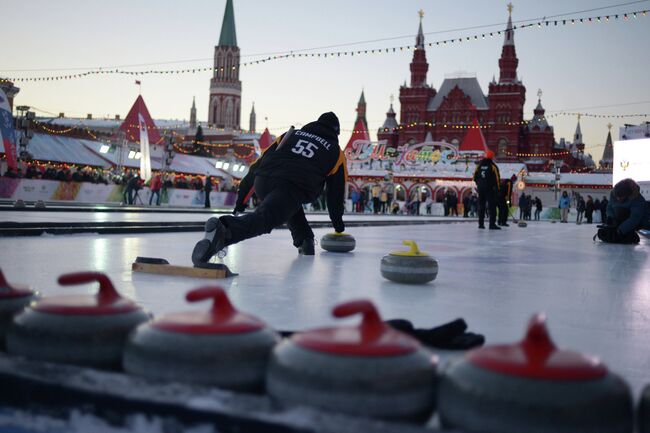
(564, 204)
(207, 188)
(589, 209)
(487, 180)
(156, 185)
(580, 207)
(603, 210)
(538, 208)
(505, 192)
(376, 191)
(383, 198)
(290, 173)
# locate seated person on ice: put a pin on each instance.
(291, 172)
(627, 212)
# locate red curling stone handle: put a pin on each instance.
(107, 292)
(371, 325)
(221, 307)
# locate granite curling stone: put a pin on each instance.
(338, 242)
(88, 330)
(221, 347)
(522, 224)
(532, 386)
(12, 301)
(410, 267)
(367, 370)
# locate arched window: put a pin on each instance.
(502, 147)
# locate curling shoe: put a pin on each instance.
(214, 241)
(306, 248)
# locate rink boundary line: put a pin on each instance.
(123, 227)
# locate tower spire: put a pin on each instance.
(193, 113)
(508, 61)
(419, 40)
(419, 65)
(228, 34)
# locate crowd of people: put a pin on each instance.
(66, 173)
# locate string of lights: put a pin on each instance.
(544, 23)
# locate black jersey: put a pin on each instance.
(305, 159)
(486, 175)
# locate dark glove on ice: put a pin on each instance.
(338, 225)
(451, 336)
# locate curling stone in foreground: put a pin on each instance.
(532, 386)
(337, 242)
(522, 224)
(88, 330)
(367, 370)
(410, 267)
(12, 301)
(221, 347)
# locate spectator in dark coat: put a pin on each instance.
(589, 209)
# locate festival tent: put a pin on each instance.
(360, 132)
(139, 127)
(474, 141)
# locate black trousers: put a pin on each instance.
(279, 202)
(207, 200)
(489, 196)
(503, 211)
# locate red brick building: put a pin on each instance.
(447, 113)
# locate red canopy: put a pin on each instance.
(360, 133)
(131, 124)
(474, 140)
(265, 140)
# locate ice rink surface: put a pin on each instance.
(596, 296)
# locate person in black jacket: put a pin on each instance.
(487, 180)
(505, 192)
(290, 173)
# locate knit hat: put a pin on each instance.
(624, 189)
(330, 120)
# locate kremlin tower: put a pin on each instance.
(225, 88)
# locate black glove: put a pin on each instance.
(239, 208)
(609, 234)
(338, 225)
(452, 335)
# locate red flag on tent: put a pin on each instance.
(131, 124)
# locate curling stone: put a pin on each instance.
(522, 224)
(39, 204)
(367, 370)
(533, 386)
(88, 330)
(337, 242)
(19, 203)
(410, 267)
(221, 347)
(12, 301)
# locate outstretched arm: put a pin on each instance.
(246, 189)
(336, 197)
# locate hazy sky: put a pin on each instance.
(594, 68)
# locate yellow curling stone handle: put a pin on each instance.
(339, 234)
(413, 252)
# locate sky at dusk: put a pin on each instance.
(591, 68)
